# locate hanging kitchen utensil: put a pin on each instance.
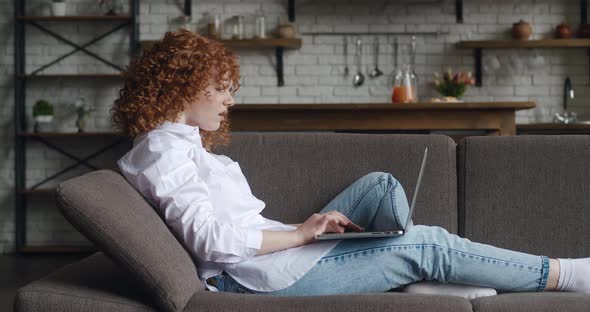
(359, 78)
(376, 72)
(395, 53)
(345, 47)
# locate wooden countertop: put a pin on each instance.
(582, 127)
(557, 126)
(389, 106)
(496, 118)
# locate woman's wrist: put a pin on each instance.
(301, 238)
(278, 240)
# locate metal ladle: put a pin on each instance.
(376, 72)
(359, 78)
(345, 47)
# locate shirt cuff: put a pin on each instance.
(254, 239)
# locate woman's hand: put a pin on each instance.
(330, 222)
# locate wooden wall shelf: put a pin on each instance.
(267, 43)
(71, 134)
(75, 18)
(294, 43)
(523, 44)
(279, 44)
(69, 76)
(478, 47)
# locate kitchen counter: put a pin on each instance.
(582, 127)
(496, 118)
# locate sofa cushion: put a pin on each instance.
(386, 302)
(93, 284)
(104, 207)
(434, 287)
(526, 193)
(298, 174)
(533, 302)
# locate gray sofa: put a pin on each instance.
(528, 193)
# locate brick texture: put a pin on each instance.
(313, 74)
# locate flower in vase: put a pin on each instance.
(82, 110)
(452, 84)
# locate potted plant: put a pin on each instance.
(452, 86)
(58, 7)
(43, 116)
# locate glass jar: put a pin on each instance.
(237, 27)
(214, 27)
(249, 27)
(404, 89)
(413, 61)
(260, 27)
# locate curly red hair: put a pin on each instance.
(169, 75)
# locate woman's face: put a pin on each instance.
(213, 101)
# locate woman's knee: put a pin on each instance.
(382, 177)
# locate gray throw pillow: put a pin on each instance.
(112, 214)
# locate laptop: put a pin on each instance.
(390, 233)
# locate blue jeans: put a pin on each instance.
(377, 201)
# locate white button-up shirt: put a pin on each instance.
(207, 201)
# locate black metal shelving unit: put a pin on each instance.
(22, 137)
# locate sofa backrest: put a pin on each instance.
(104, 207)
(297, 174)
(527, 193)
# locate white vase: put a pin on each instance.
(44, 118)
(58, 8)
(44, 124)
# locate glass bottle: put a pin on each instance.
(404, 86)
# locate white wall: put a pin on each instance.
(313, 74)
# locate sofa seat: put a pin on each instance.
(387, 301)
(529, 302)
(98, 284)
(92, 284)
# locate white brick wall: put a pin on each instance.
(313, 74)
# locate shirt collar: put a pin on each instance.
(191, 132)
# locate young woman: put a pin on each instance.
(175, 104)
